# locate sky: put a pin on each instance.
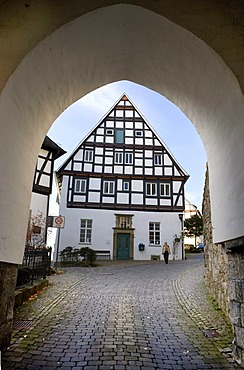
(173, 127)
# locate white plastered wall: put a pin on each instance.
(110, 44)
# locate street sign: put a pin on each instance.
(56, 221)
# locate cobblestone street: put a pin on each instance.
(122, 315)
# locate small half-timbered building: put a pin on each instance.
(41, 190)
(121, 190)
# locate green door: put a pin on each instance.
(123, 246)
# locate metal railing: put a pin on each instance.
(36, 265)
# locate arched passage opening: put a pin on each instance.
(110, 44)
(172, 126)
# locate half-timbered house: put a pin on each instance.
(121, 190)
(41, 190)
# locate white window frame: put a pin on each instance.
(128, 158)
(151, 189)
(87, 228)
(126, 185)
(154, 233)
(118, 157)
(80, 186)
(165, 186)
(108, 187)
(88, 155)
(158, 159)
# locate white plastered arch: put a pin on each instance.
(110, 44)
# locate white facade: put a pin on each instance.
(121, 187)
(104, 222)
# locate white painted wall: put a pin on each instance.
(102, 230)
(38, 212)
(38, 204)
(75, 60)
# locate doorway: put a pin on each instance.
(123, 246)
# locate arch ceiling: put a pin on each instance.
(110, 44)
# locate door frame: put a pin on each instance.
(129, 232)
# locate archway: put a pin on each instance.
(110, 44)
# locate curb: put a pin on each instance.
(24, 293)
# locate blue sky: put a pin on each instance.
(173, 127)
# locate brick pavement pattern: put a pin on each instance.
(122, 315)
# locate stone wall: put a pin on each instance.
(8, 276)
(224, 276)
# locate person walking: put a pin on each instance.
(166, 252)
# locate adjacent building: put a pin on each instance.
(121, 190)
(41, 190)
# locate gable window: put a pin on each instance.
(85, 231)
(109, 131)
(119, 136)
(118, 158)
(138, 133)
(128, 158)
(151, 189)
(165, 190)
(88, 156)
(154, 233)
(108, 187)
(158, 159)
(80, 185)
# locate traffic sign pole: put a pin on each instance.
(57, 252)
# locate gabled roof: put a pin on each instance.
(50, 145)
(124, 97)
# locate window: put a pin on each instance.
(158, 159)
(154, 232)
(119, 136)
(109, 131)
(80, 186)
(128, 158)
(126, 185)
(138, 133)
(108, 187)
(164, 190)
(118, 158)
(151, 189)
(88, 155)
(85, 231)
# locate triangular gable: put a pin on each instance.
(121, 108)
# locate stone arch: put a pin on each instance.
(110, 44)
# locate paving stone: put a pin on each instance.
(128, 315)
